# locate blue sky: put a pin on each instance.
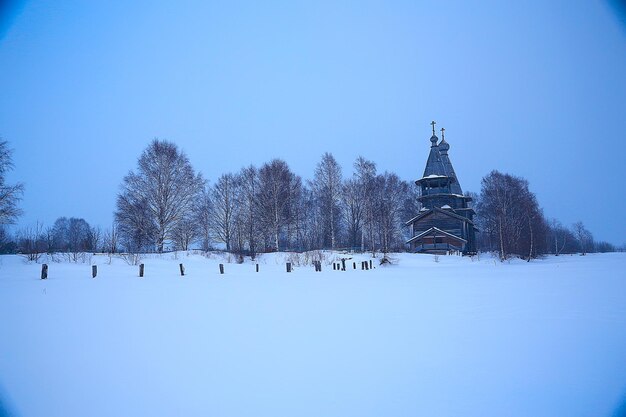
(536, 89)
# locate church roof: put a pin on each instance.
(435, 230)
(439, 164)
(450, 213)
(434, 164)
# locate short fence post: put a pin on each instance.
(334, 266)
(221, 268)
(343, 264)
(94, 271)
(257, 267)
(370, 264)
(44, 271)
(362, 265)
(353, 265)
(141, 270)
(288, 266)
(182, 270)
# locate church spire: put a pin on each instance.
(433, 139)
(443, 145)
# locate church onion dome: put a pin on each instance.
(443, 146)
(434, 139)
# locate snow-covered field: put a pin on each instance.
(457, 337)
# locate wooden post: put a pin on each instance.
(343, 264)
(334, 266)
(44, 271)
(141, 270)
(94, 271)
(353, 265)
(221, 268)
(370, 264)
(182, 270)
(257, 267)
(288, 266)
(367, 268)
(362, 265)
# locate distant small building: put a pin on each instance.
(445, 219)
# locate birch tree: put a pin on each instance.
(203, 210)
(353, 206)
(248, 206)
(224, 197)
(584, 237)
(327, 187)
(365, 173)
(510, 210)
(276, 186)
(10, 194)
(165, 185)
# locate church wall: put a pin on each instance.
(440, 221)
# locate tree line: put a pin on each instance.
(164, 204)
(512, 223)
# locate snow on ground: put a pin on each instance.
(457, 337)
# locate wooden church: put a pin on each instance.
(444, 223)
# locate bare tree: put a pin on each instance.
(390, 193)
(293, 213)
(73, 237)
(509, 210)
(48, 234)
(203, 216)
(10, 194)
(559, 236)
(136, 226)
(583, 236)
(95, 238)
(353, 207)
(533, 235)
(275, 195)
(31, 242)
(248, 207)
(164, 189)
(410, 207)
(185, 232)
(110, 239)
(365, 172)
(327, 187)
(224, 197)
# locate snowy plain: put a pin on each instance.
(446, 336)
